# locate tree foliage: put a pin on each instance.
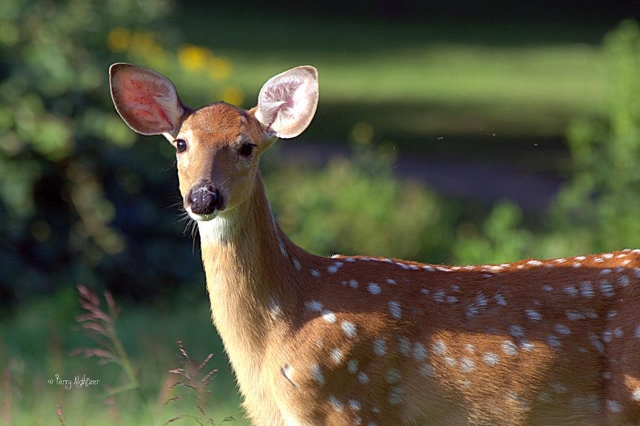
(597, 210)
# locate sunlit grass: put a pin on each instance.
(528, 90)
(33, 352)
(526, 78)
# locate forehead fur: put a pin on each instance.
(224, 121)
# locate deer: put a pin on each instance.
(372, 341)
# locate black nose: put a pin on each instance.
(204, 198)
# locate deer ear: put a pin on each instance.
(146, 101)
(288, 101)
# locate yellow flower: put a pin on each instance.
(142, 42)
(192, 57)
(232, 95)
(219, 68)
(118, 39)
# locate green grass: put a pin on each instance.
(33, 352)
(447, 89)
(419, 80)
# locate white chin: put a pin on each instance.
(202, 217)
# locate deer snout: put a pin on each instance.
(203, 199)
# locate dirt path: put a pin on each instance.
(458, 178)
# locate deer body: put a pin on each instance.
(376, 341)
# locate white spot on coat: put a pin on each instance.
(467, 365)
(614, 406)
(334, 268)
(500, 300)
(337, 405)
(355, 405)
(427, 370)
(374, 288)
(363, 378)
(313, 305)
(533, 315)
(624, 281)
(396, 395)
(439, 347)
(404, 345)
(395, 310)
(329, 316)
(574, 316)
(490, 358)
(571, 291)
(349, 329)
(296, 263)
(275, 309)
(509, 348)
(393, 375)
(516, 331)
(380, 346)
(336, 355)
(553, 341)
(316, 373)
(607, 289)
(419, 352)
(526, 345)
(586, 290)
(595, 341)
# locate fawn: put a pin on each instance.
(353, 340)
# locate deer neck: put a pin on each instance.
(248, 278)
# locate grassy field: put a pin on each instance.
(423, 80)
(37, 356)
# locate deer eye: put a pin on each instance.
(181, 145)
(246, 150)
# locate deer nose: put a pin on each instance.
(204, 198)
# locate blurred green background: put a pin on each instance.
(459, 133)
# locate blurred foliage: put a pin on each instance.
(79, 201)
(356, 206)
(601, 204)
(598, 209)
(501, 237)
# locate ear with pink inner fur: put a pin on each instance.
(146, 101)
(288, 101)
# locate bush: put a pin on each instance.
(598, 209)
(602, 202)
(357, 207)
(79, 200)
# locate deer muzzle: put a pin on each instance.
(203, 200)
